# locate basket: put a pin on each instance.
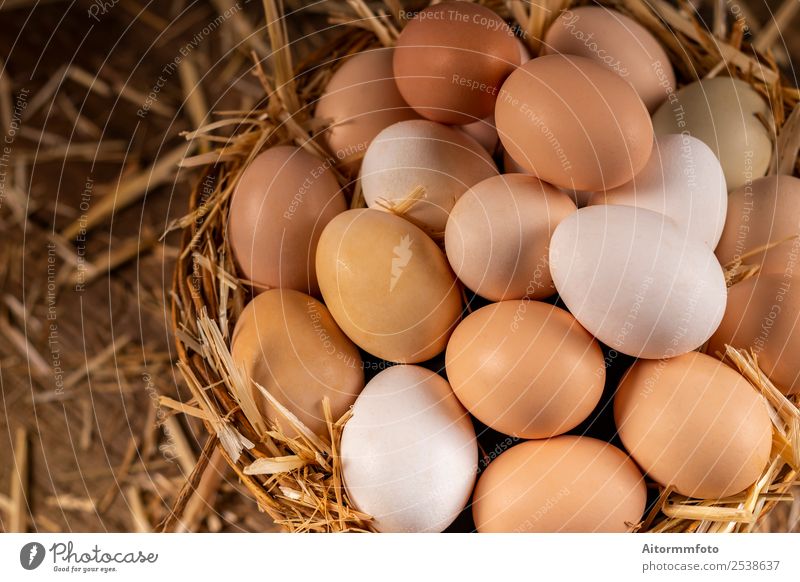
(297, 480)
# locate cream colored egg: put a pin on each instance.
(409, 454)
(484, 132)
(632, 278)
(419, 153)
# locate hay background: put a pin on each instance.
(99, 456)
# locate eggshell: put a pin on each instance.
(283, 200)
(764, 212)
(573, 123)
(442, 160)
(619, 44)
(683, 180)
(763, 314)
(451, 59)
(409, 454)
(633, 279)
(498, 234)
(484, 132)
(721, 112)
(694, 423)
(564, 484)
(288, 342)
(526, 369)
(360, 101)
(387, 285)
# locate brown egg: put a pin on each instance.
(525, 368)
(573, 123)
(564, 484)
(288, 342)
(283, 200)
(763, 313)
(451, 59)
(361, 100)
(693, 423)
(498, 235)
(387, 285)
(766, 211)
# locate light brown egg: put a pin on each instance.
(573, 123)
(618, 43)
(387, 285)
(766, 211)
(498, 235)
(525, 368)
(564, 484)
(763, 313)
(724, 113)
(360, 100)
(283, 200)
(693, 423)
(484, 132)
(288, 342)
(451, 59)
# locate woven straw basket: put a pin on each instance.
(297, 480)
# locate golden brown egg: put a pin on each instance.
(573, 123)
(283, 200)
(288, 342)
(564, 484)
(387, 285)
(693, 423)
(525, 368)
(451, 59)
(763, 313)
(361, 100)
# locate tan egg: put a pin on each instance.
(525, 368)
(498, 234)
(693, 423)
(283, 200)
(360, 101)
(618, 43)
(682, 180)
(442, 160)
(288, 342)
(484, 132)
(764, 212)
(387, 285)
(573, 123)
(723, 113)
(565, 484)
(636, 282)
(451, 59)
(763, 313)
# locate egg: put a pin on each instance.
(617, 43)
(409, 454)
(573, 123)
(564, 484)
(694, 423)
(763, 314)
(451, 59)
(498, 234)
(419, 153)
(525, 368)
(683, 180)
(484, 132)
(360, 100)
(288, 342)
(282, 201)
(722, 113)
(387, 285)
(764, 212)
(632, 278)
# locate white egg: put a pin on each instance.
(684, 180)
(409, 454)
(420, 153)
(632, 278)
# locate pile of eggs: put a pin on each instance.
(621, 198)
